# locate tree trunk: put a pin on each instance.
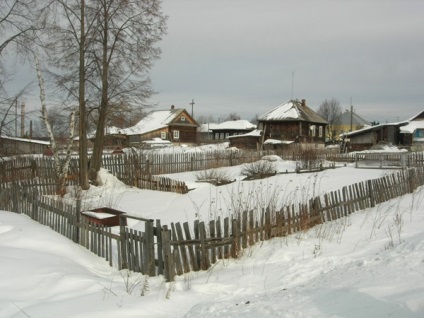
(96, 160)
(83, 159)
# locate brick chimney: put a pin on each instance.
(303, 102)
(172, 107)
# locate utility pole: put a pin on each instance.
(22, 119)
(351, 115)
(16, 118)
(192, 104)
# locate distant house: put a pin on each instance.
(295, 122)
(347, 122)
(18, 146)
(412, 134)
(227, 129)
(407, 134)
(112, 138)
(250, 140)
(175, 125)
(365, 138)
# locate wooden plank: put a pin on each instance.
(169, 268)
(235, 235)
(150, 247)
(212, 236)
(244, 229)
(227, 234)
(183, 252)
(176, 252)
(191, 251)
(158, 234)
(204, 260)
(219, 250)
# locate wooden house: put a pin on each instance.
(18, 146)
(365, 138)
(407, 134)
(295, 122)
(175, 125)
(250, 140)
(412, 133)
(230, 128)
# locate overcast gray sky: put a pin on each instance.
(248, 56)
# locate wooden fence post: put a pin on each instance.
(169, 270)
(122, 239)
(235, 247)
(158, 231)
(34, 201)
(411, 174)
(150, 240)
(371, 193)
(204, 259)
(15, 190)
(76, 226)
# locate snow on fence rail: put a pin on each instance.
(174, 250)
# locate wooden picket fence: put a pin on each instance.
(180, 248)
(40, 172)
(229, 237)
(387, 160)
(136, 167)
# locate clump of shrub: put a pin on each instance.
(216, 177)
(258, 170)
(308, 158)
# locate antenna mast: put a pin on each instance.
(291, 97)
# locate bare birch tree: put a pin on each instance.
(117, 47)
(61, 167)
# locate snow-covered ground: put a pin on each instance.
(370, 264)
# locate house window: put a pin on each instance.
(216, 136)
(163, 135)
(227, 135)
(313, 130)
(320, 131)
(183, 118)
(176, 134)
(419, 133)
(222, 136)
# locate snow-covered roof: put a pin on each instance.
(112, 130)
(292, 110)
(412, 126)
(253, 133)
(157, 141)
(207, 127)
(33, 141)
(365, 129)
(240, 124)
(277, 142)
(154, 121)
